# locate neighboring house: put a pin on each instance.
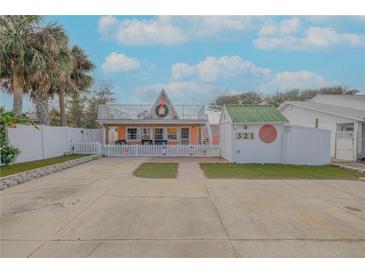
(260, 134)
(343, 115)
(159, 123)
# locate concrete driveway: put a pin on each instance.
(99, 209)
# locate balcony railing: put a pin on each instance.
(143, 112)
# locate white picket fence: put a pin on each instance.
(147, 150)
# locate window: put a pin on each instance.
(172, 134)
(214, 131)
(146, 134)
(132, 134)
(185, 133)
(158, 133)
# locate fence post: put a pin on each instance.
(68, 149)
(43, 143)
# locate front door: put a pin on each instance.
(113, 135)
(185, 136)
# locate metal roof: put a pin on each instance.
(255, 114)
(346, 112)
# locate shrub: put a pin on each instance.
(8, 153)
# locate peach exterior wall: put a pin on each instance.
(121, 133)
(194, 135)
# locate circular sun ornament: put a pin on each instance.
(161, 110)
(268, 134)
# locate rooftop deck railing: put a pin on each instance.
(143, 112)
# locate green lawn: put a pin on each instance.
(156, 170)
(21, 167)
(276, 171)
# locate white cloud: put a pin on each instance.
(170, 30)
(118, 62)
(181, 70)
(195, 92)
(216, 68)
(284, 27)
(294, 80)
(289, 26)
(246, 76)
(313, 38)
(183, 92)
(151, 32)
(106, 23)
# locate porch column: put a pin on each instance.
(106, 141)
(153, 134)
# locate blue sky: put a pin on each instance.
(199, 58)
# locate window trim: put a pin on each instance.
(137, 135)
(142, 134)
(162, 134)
(176, 137)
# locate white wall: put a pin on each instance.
(306, 146)
(47, 141)
(225, 136)
(303, 117)
(255, 150)
(293, 145)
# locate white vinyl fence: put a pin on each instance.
(148, 150)
(306, 146)
(47, 141)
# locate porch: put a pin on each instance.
(156, 134)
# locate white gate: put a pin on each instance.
(345, 145)
(148, 150)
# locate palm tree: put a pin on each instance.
(80, 80)
(23, 54)
(59, 65)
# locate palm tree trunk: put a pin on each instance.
(18, 94)
(61, 99)
(42, 107)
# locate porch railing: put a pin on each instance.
(147, 150)
(143, 112)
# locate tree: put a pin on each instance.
(296, 95)
(80, 80)
(25, 48)
(247, 98)
(100, 96)
(76, 106)
(54, 116)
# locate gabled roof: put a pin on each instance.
(345, 112)
(255, 114)
(163, 96)
(357, 97)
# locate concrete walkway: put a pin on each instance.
(190, 171)
(99, 209)
(360, 167)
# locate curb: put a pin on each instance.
(26, 176)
